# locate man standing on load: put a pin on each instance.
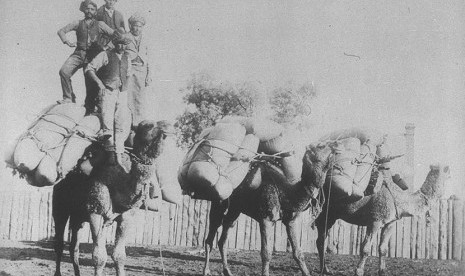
(113, 18)
(88, 32)
(109, 70)
(140, 75)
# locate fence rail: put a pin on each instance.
(27, 216)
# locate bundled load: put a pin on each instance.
(53, 144)
(354, 160)
(220, 160)
(273, 141)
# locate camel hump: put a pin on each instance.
(52, 145)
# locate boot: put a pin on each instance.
(399, 181)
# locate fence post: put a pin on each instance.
(443, 229)
(449, 228)
(434, 223)
(457, 228)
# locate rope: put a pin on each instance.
(326, 221)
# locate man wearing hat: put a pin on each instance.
(109, 70)
(113, 18)
(88, 32)
(140, 75)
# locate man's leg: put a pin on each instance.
(122, 123)
(108, 107)
(91, 101)
(71, 65)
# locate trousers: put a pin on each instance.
(115, 118)
(76, 61)
(137, 94)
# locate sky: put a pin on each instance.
(381, 64)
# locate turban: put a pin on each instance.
(85, 3)
(136, 18)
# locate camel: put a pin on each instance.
(83, 198)
(272, 201)
(379, 211)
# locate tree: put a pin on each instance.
(209, 100)
(291, 102)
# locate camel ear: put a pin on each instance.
(446, 169)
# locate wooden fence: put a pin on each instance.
(27, 216)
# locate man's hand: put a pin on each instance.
(70, 44)
(102, 88)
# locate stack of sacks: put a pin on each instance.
(52, 145)
(165, 173)
(273, 141)
(354, 160)
(218, 162)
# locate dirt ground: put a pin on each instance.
(37, 258)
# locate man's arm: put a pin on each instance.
(73, 26)
(148, 78)
(105, 29)
(98, 62)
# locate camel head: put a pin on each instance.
(434, 185)
(150, 138)
(317, 161)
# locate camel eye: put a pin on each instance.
(446, 169)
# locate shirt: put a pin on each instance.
(73, 26)
(101, 60)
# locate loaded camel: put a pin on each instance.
(379, 211)
(272, 201)
(109, 187)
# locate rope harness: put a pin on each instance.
(222, 145)
(378, 161)
(76, 131)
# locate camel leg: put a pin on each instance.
(60, 224)
(386, 232)
(296, 250)
(216, 218)
(124, 225)
(76, 238)
(320, 241)
(365, 248)
(228, 223)
(266, 228)
(99, 253)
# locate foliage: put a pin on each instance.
(290, 102)
(208, 101)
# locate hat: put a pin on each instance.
(121, 39)
(86, 3)
(136, 18)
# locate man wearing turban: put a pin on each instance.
(140, 75)
(88, 32)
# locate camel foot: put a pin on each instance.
(326, 271)
(227, 272)
(382, 272)
(57, 273)
(206, 272)
(359, 272)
